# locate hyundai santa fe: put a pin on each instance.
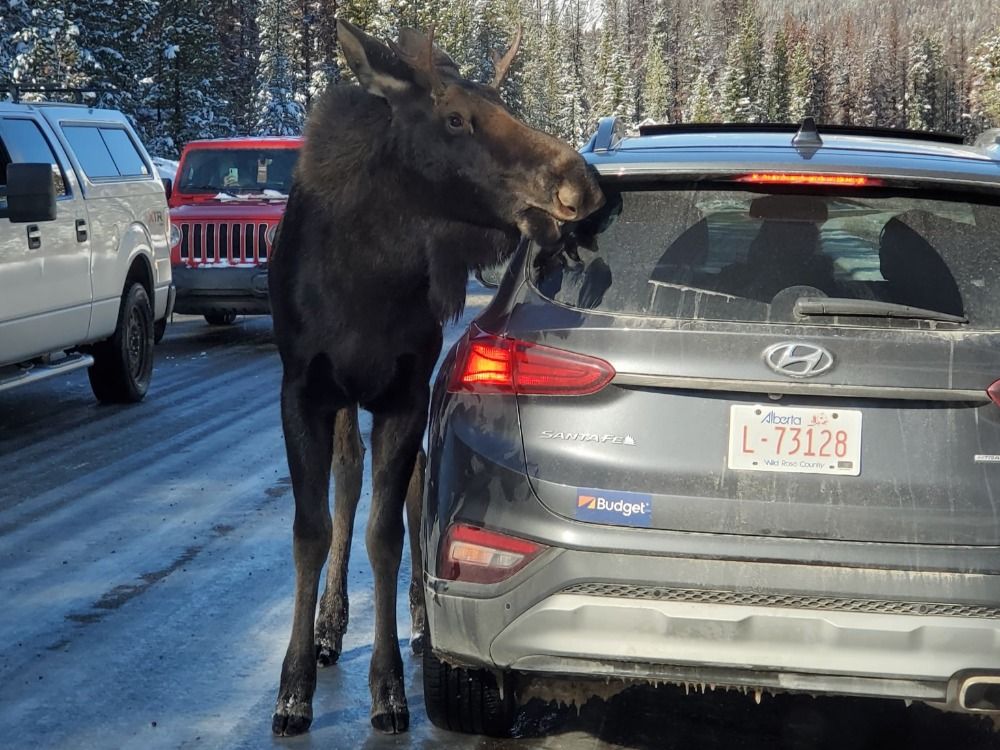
(741, 427)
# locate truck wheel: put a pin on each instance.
(123, 364)
(159, 330)
(466, 700)
(220, 319)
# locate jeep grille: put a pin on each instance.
(211, 242)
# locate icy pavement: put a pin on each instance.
(146, 586)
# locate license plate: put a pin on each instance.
(800, 441)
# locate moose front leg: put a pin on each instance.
(308, 443)
(414, 503)
(395, 444)
(348, 466)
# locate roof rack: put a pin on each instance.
(15, 90)
(787, 127)
(610, 131)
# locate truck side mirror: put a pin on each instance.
(31, 193)
(168, 186)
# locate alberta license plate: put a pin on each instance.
(801, 441)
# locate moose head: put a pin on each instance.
(465, 151)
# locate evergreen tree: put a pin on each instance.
(800, 78)
(11, 23)
(657, 89)
(616, 90)
(47, 49)
(240, 50)
(278, 112)
(701, 105)
(740, 92)
(985, 102)
(779, 79)
(117, 56)
(182, 97)
(574, 120)
(456, 34)
(924, 91)
(876, 106)
(820, 79)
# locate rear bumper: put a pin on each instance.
(241, 290)
(771, 627)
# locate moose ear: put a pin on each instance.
(378, 70)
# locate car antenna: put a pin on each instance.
(807, 141)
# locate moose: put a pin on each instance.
(405, 183)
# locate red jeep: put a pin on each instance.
(226, 201)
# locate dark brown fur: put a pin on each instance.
(392, 204)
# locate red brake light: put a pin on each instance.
(477, 555)
(994, 393)
(492, 364)
(809, 178)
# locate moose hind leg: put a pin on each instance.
(308, 431)
(414, 503)
(395, 443)
(348, 466)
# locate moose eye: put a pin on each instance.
(456, 123)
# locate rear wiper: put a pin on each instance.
(869, 308)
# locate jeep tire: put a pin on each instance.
(123, 364)
(220, 318)
(467, 700)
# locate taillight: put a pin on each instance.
(810, 178)
(485, 363)
(476, 555)
(994, 393)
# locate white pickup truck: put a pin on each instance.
(85, 278)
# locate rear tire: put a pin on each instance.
(220, 319)
(466, 700)
(123, 364)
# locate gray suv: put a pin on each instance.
(741, 428)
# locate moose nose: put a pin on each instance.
(569, 197)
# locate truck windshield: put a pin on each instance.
(237, 171)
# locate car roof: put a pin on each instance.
(725, 149)
(278, 141)
(62, 109)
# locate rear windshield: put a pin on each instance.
(716, 253)
(237, 170)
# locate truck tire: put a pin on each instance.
(159, 330)
(123, 364)
(220, 318)
(466, 700)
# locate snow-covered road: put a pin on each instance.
(146, 584)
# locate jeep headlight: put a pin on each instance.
(269, 235)
(175, 235)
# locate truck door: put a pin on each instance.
(45, 286)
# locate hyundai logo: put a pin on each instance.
(798, 360)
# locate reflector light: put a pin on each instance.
(477, 555)
(808, 178)
(994, 393)
(486, 363)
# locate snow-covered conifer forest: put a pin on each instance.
(186, 69)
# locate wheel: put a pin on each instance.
(123, 364)
(220, 319)
(467, 700)
(159, 330)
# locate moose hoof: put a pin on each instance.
(392, 721)
(326, 656)
(418, 643)
(289, 725)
